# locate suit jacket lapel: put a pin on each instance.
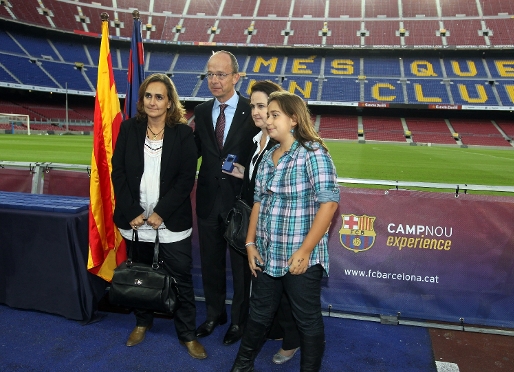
(237, 123)
(208, 120)
(167, 146)
(141, 135)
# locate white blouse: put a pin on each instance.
(149, 196)
(257, 140)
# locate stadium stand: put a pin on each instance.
(232, 31)
(237, 8)
(429, 130)
(339, 127)
(507, 127)
(421, 32)
(383, 129)
(502, 31)
(382, 33)
(309, 8)
(326, 76)
(496, 7)
(464, 32)
(419, 8)
(344, 9)
(196, 29)
(381, 16)
(173, 7)
(274, 8)
(385, 8)
(478, 132)
(305, 32)
(451, 8)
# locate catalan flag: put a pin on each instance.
(136, 65)
(106, 247)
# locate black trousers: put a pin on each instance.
(284, 325)
(213, 251)
(178, 261)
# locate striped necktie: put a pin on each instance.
(220, 126)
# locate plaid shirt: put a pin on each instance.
(290, 195)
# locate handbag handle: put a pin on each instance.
(155, 264)
(135, 240)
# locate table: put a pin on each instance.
(43, 255)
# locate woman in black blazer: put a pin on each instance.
(153, 174)
(284, 326)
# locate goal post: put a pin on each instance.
(15, 119)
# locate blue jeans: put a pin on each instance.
(303, 291)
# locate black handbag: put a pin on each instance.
(237, 221)
(144, 286)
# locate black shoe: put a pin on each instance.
(233, 334)
(208, 326)
(251, 343)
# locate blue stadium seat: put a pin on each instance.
(381, 67)
(67, 73)
(191, 62)
(340, 89)
(427, 91)
(464, 67)
(159, 61)
(473, 93)
(383, 90)
(422, 67)
(7, 44)
(341, 67)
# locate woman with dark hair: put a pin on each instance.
(296, 196)
(153, 173)
(284, 326)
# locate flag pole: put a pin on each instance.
(135, 73)
(106, 246)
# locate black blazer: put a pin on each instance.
(211, 180)
(248, 189)
(177, 177)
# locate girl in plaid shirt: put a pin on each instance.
(296, 196)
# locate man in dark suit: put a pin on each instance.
(223, 126)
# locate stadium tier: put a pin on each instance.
(364, 23)
(302, 45)
(32, 61)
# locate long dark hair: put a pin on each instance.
(176, 114)
(295, 108)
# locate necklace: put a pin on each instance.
(155, 134)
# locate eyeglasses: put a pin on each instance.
(220, 76)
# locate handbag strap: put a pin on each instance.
(130, 250)
(135, 240)
(155, 264)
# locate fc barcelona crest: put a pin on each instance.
(357, 233)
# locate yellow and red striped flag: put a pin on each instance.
(106, 247)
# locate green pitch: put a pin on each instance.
(482, 166)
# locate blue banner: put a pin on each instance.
(136, 73)
(423, 255)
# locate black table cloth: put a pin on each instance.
(43, 256)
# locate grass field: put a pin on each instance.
(482, 166)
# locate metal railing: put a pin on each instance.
(39, 169)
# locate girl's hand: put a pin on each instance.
(238, 171)
(298, 262)
(254, 258)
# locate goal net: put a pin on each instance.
(15, 122)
